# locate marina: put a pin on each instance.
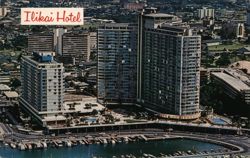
(148, 146)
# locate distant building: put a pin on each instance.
(240, 30)
(4, 88)
(75, 47)
(116, 74)
(42, 85)
(40, 42)
(11, 96)
(5, 78)
(4, 11)
(205, 13)
(58, 33)
(235, 84)
(169, 62)
(134, 6)
(230, 1)
(248, 17)
(93, 41)
(207, 22)
(233, 29)
(243, 51)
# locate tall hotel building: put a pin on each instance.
(116, 74)
(43, 42)
(75, 47)
(168, 66)
(42, 85)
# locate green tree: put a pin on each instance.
(224, 60)
(15, 83)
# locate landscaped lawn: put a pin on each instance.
(230, 47)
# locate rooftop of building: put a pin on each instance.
(76, 33)
(11, 94)
(236, 83)
(42, 58)
(117, 26)
(4, 87)
(160, 15)
(86, 105)
(41, 34)
(241, 65)
(53, 118)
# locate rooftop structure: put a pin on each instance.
(85, 106)
(242, 65)
(11, 94)
(4, 88)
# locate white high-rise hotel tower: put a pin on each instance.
(42, 85)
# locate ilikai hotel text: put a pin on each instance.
(52, 16)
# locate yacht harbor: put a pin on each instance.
(112, 140)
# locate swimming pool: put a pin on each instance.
(218, 121)
(89, 119)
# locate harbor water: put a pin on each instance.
(137, 149)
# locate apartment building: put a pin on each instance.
(116, 74)
(169, 53)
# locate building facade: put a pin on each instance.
(58, 33)
(93, 41)
(40, 42)
(42, 84)
(248, 17)
(235, 84)
(75, 47)
(240, 30)
(168, 65)
(116, 74)
(4, 11)
(205, 13)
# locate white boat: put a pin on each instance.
(21, 146)
(44, 145)
(13, 146)
(29, 146)
(38, 145)
(68, 143)
(105, 141)
(60, 144)
(126, 139)
(81, 142)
